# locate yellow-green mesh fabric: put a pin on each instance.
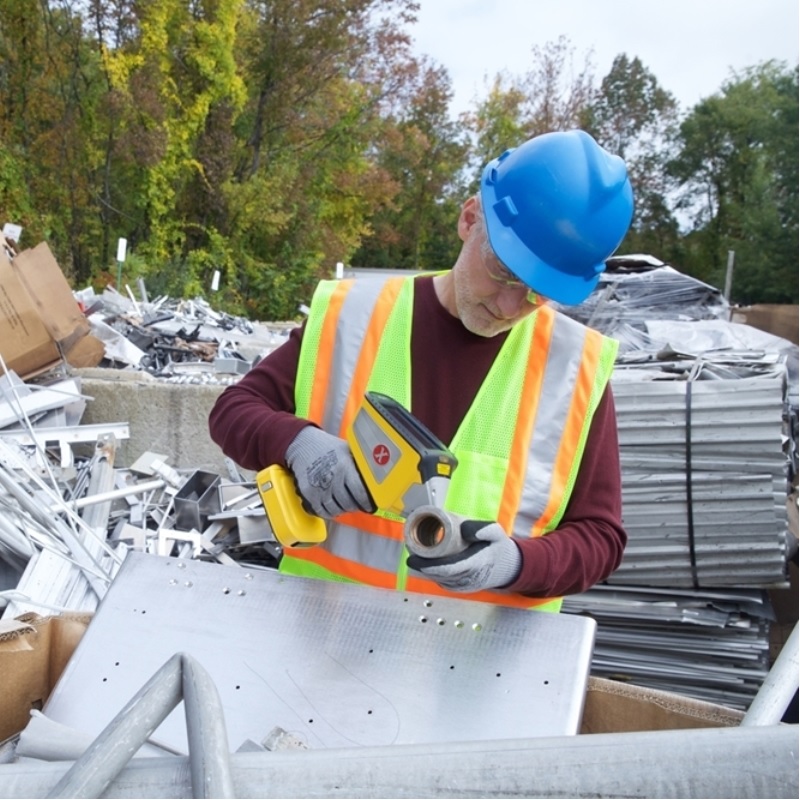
(482, 449)
(608, 355)
(309, 347)
(553, 606)
(307, 569)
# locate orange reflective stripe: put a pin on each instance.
(380, 526)
(345, 568)
(529, 404)
(369, 350)
(576, 420)
(324, 358)
(425, 586)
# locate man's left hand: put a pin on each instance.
(492, 560)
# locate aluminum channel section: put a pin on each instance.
(337, 665)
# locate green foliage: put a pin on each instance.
(633, 117)
(552, 96)
(423, 155)
(628, 103)
(498, 123)
(15, 200)
(738, 167)
(270, 139)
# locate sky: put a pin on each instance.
(690, 46)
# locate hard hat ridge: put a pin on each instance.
(609, 172)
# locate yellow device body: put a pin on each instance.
(292, 525)
(403, 465)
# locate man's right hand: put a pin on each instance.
(326, 475)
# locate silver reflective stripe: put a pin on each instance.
(354, 318)
(344, 541)
(366, 549)
(561, 370)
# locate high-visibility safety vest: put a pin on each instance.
(518, 447)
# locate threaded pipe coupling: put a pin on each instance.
(431, 532)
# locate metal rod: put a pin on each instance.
(209, 753)
(701, 763)
(101, 479)
(773, 698)
(726, 293)
(113, 494)
(181, 677)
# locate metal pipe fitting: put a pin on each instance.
(431, 532)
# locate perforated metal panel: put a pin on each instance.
(337, 665)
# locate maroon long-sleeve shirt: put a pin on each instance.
(253, 422)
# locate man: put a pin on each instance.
(518, 391)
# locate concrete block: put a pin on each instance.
(168, 418)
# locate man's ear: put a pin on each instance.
(469, 216)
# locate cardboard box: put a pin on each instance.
(33, 653)
(616, 707)
(41, 323)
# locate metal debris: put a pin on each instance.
(179, 341)
(69, 515)
(712, 645)
(707, 415)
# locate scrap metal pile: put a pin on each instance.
(177, 341)
(69, 514)
(707, 413)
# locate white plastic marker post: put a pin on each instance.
(12, 231)
(122, 246)
(339, 270)
(215, 281)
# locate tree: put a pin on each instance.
(178, 70)
(306, 180)
(633, 117)
(21, 34)
(552, 96)
(423, 153)
(47, 98)
(738, 163)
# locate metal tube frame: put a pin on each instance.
(180, 678)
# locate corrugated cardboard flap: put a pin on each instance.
(615, 707)
(32, 658)
(51, 295)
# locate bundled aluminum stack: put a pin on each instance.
(704, 478)
(707, 417)
(710, 645)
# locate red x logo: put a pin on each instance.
(380, 454)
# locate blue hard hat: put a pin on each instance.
(556, 208)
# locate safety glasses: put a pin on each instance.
(503, 276)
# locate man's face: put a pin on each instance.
(488, 298)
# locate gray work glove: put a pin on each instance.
(325, 474)
(491, 561)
